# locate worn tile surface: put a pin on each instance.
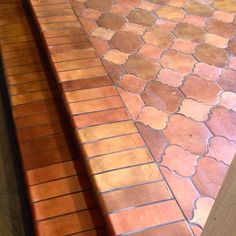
(60, 193)
(173, 66)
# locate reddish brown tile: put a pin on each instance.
(189, 134)
(209, 176)
(113, 145)
(202, 90)
(100, 117)
(154, 139)
(155, 214)
(180, 186)
(58, 188)
(162, 96)
(135, 196)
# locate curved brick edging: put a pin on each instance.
(132, 192)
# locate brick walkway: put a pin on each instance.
(173, 62)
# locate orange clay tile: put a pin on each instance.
(48, 162)
(96, 113)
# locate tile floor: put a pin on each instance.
(174, 65)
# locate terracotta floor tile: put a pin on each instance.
(54, 12)
(132, 83)
(66, 40)
(95, 133)
(69, 47)
(227, 80)
(220, 28)
(86, 83)
(222, 149)
(154, 140)
(34, 107)
(228, 100)
(64, 205)
(89, 94)
(17, 59)
(133, 102)
(53, 172)
(209, 176)
(179, 186)
(189, 134)
(152, 117)
(119, 160)
(152, 215)
(113, 145)
(24, 69)
(96, 105)
(100, 117)
(179, 160)
(43, 144)
(49, 157)
(202, 210)
(135, 196)
(69, 224)
(81, 73)
(93, 232)
(30, 97)
(60, 25)
(127, 177)
(177, 61)
(178, 229)
(58, 188)
(54, 19)
(227, 128)
(77, 64)
(162, 96)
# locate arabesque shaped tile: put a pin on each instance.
(141, 67)
(178, 61)
(154, 139)
(209, 176)
(160, 38)
(141, 17)
(211, 55)
(171, 13)
(177, 159)
(180, 185)
(222, 149)
(153, 118)
(190, 32)
(202, 210)
(222, 122)
(196, 8)
(103, 5)
(202, 90)
(162, 96)
(111, 21)
(223, 29)
(190, 135)
(126, 42)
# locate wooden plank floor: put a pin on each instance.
(60, 193)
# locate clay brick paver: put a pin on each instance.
(173, 66)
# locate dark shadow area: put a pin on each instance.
(15, 214)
